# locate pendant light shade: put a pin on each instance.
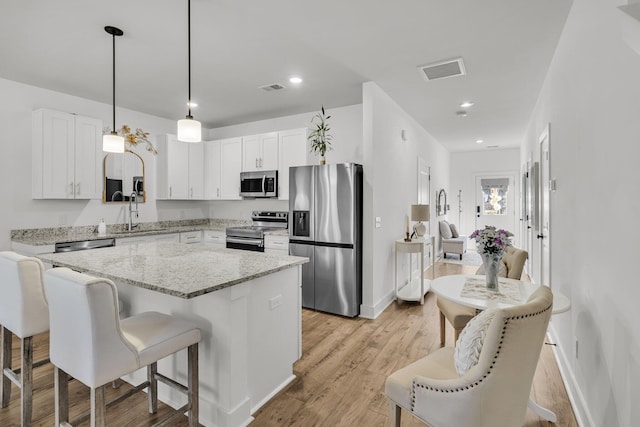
(113, 143)
(189, 130)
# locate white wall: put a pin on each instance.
(346, 129)
(590, 99)
(391, 187)
(18, 210)
(465, 166)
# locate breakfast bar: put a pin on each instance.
(247, 305)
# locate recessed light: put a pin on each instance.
(466, 104)
(295, 80)
(479, 141)
(461, 113)
(192, 104)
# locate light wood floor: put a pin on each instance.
(344, 364)
(339, 379)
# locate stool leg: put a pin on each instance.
(152, 391)
(98, 407)
(442, 329)
(5, 363)
(61, 384)
(192, 373)
(26, 391)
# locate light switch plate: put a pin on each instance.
(378, 222)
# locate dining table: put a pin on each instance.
(471, 291)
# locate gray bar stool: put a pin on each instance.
(90, 343)
(23, 311)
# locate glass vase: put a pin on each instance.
(491, 267)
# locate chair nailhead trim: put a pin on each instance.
(477, 383)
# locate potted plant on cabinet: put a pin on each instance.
(320, 137)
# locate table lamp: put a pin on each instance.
(419, 213)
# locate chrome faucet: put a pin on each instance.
(133, 196)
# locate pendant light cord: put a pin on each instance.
(113, 37)
(189, 50)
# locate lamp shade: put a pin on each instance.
(112, 143)
(419, 212)
(189, 130)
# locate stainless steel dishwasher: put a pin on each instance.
(84, 245)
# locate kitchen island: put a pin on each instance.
(247, 305)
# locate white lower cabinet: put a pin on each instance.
(275, 244)
(191, 237)
(171, 237)
(215, 238)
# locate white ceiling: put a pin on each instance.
(334, 45)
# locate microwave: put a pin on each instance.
(259, 184)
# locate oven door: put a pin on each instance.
(247, 244)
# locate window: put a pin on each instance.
(494, 195)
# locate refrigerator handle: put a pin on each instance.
(264, 177)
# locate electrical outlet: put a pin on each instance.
(378, 222)
(275, 302)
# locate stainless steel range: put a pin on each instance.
(251, 237)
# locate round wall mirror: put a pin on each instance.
(123, 178)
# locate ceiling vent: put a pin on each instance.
(442, 69)
(272, 87)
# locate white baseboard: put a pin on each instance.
(576, 397)
(372, 312)
(273, 393)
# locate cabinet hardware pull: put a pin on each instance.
(170, 191)
(256, 162)
(78, 189)
(71, 188)
(218, 191)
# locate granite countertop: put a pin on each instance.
(51, 236)
(184, 271)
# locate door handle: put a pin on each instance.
(540, 236)
(478, 211)
(529, 227)
(264, 177)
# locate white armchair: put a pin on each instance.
(495, 391)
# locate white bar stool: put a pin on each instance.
(89, 342)
(23, 311)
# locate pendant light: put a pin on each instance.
(112, 142)
(189, 130)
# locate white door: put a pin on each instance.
(269, 151)
(212, 160)
(178, 168)
(544, 233)
(496, 201)
(88, 158)
(58, 132)
(230, 167)
(251, 153)
(424, 187)
(292, 151)
(196, 171)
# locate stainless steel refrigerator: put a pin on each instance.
(325, 225)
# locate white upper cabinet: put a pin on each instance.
(180, 169)
(196, 171)
(260, 152)
(66, 156)
(223, 163)
(292, 151)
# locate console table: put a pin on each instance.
(416, 288)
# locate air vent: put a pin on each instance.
(442, 69)
(272, 87)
